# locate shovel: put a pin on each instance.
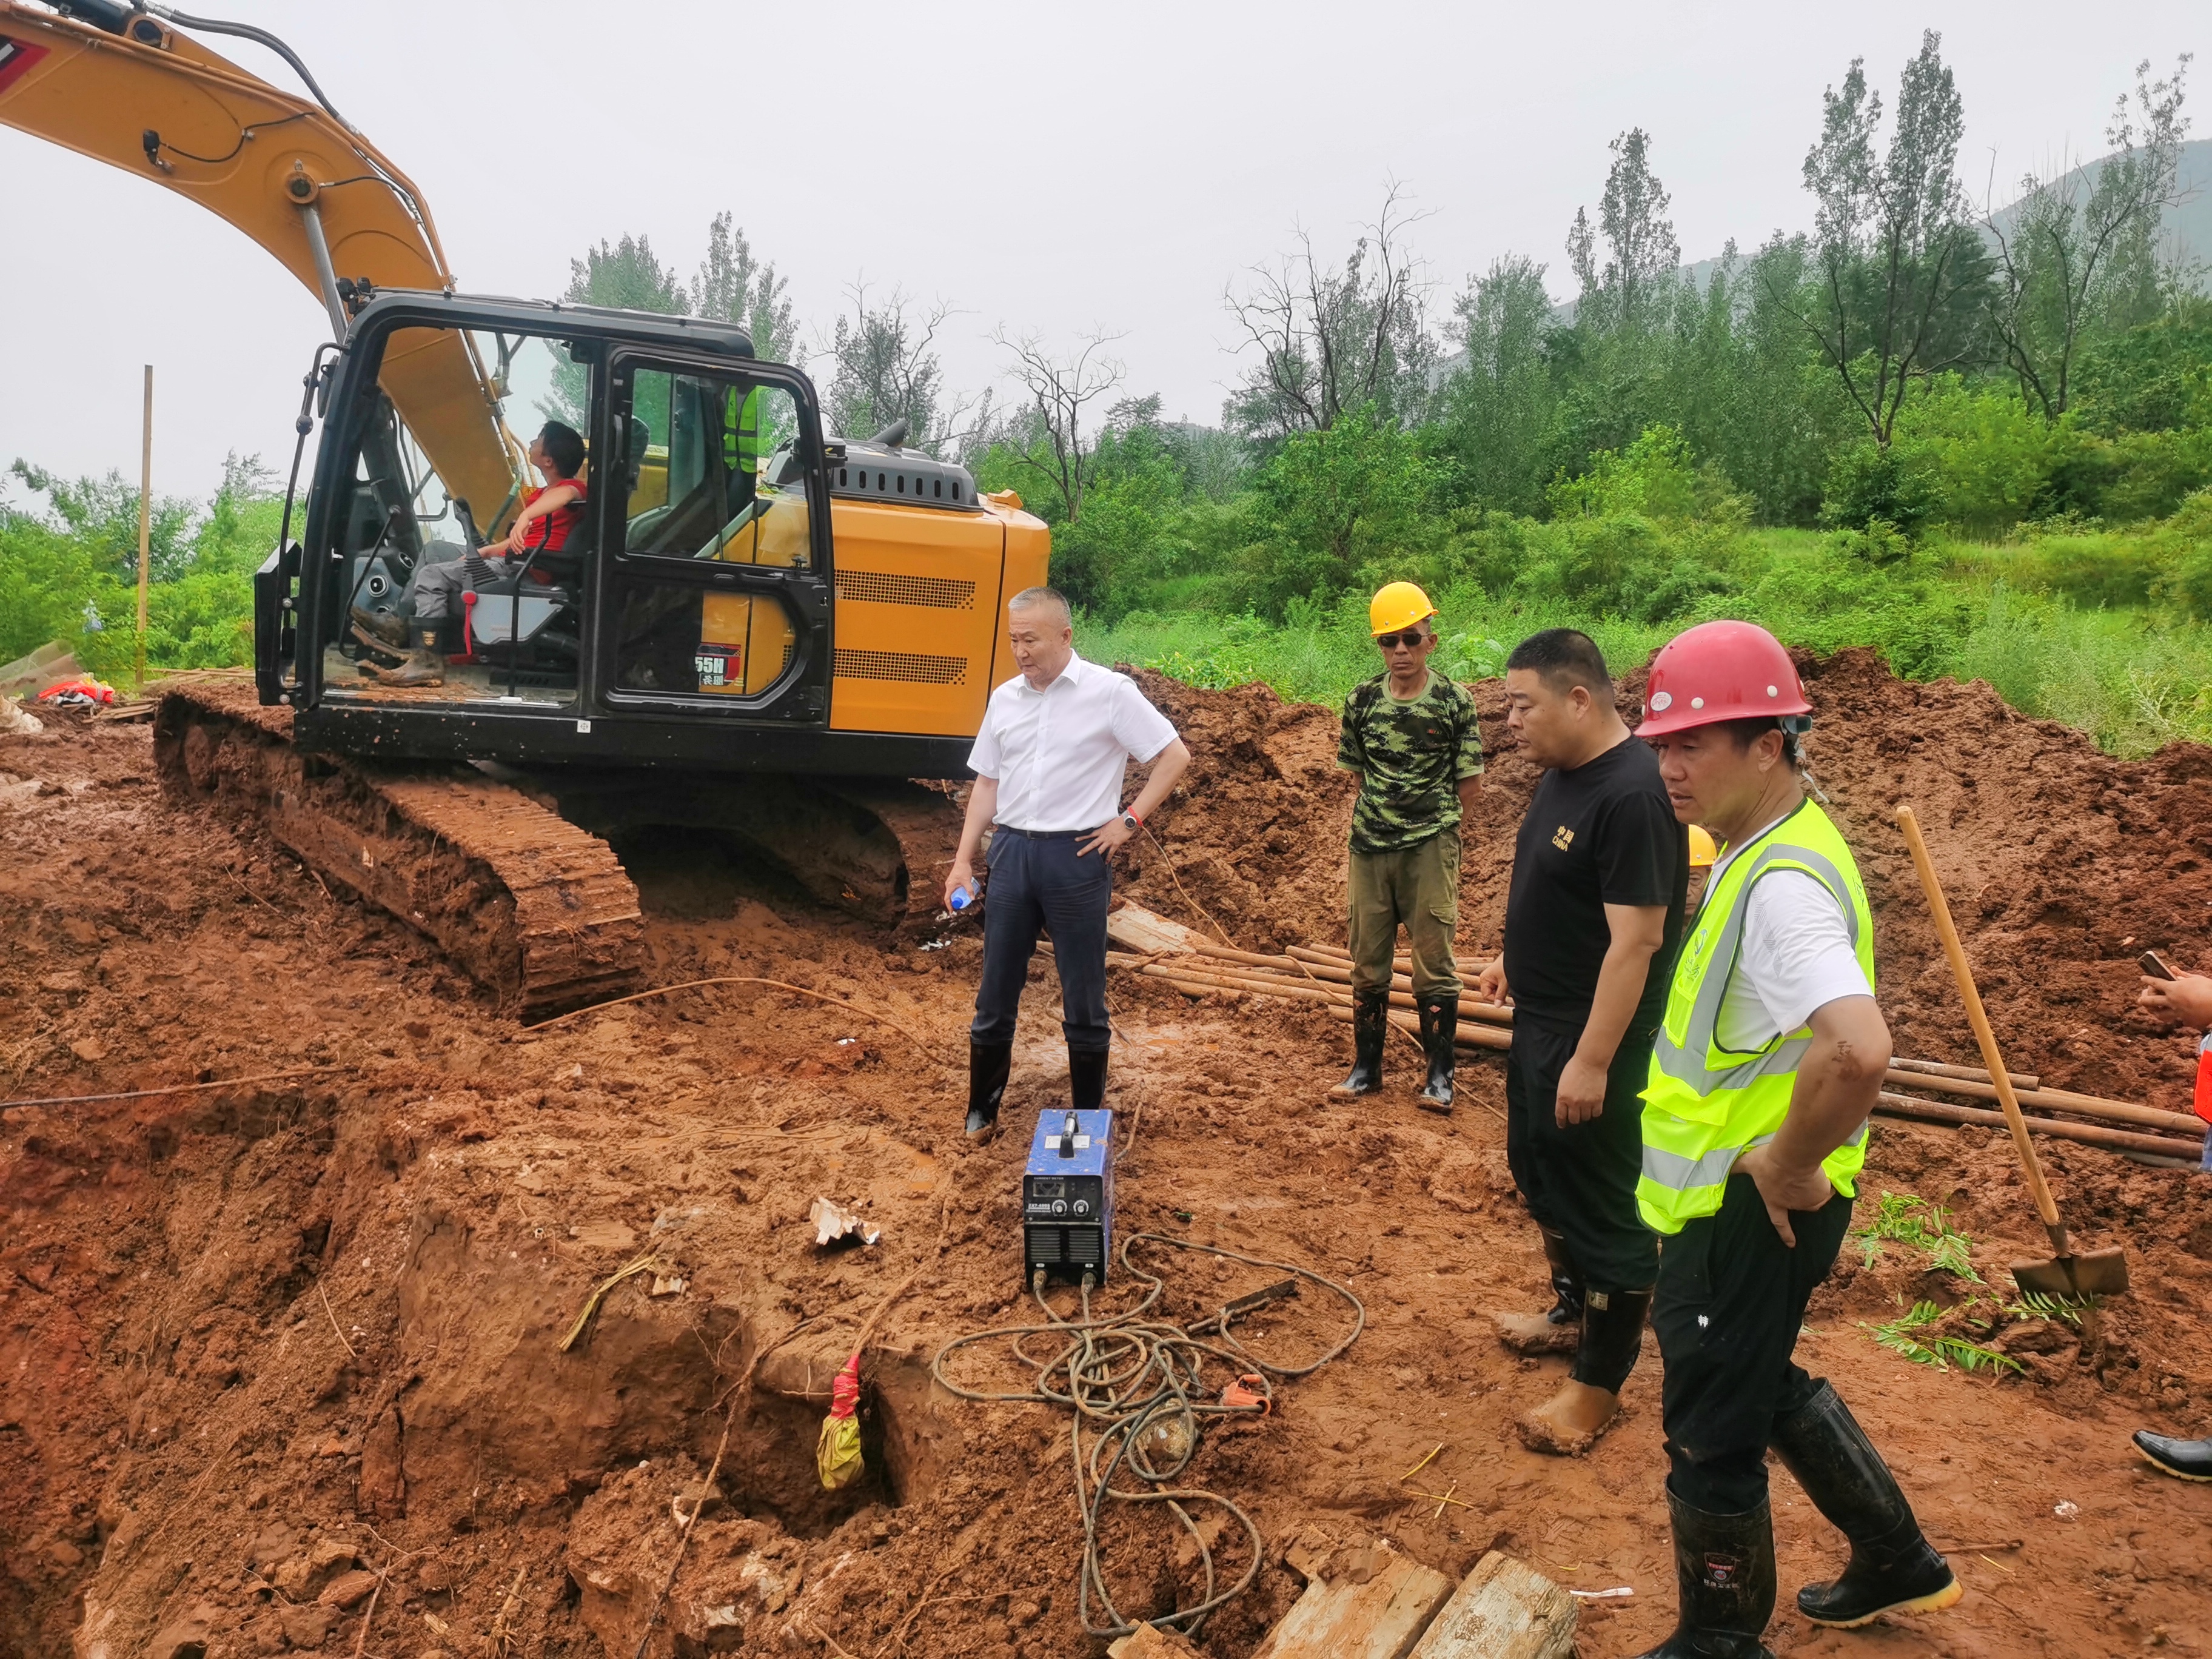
(2093, 1272)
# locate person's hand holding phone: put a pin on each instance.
(2185, 998)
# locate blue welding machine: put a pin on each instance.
(1067, 1197)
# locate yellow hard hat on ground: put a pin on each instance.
(1396, 605)
(1702, 850)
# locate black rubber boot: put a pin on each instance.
(988, 1066)
(1558, 1330)
(1723, 1583)
(1439, 1039)
(1613, 1337)
(2190, 1460)
(1086, 1078)
(1370, 1024)
(1893, 1568)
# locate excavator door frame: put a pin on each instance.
(763, 540)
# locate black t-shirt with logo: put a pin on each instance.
(1603, 833)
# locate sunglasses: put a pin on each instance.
(1411, 639)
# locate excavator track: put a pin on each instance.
(537, 910)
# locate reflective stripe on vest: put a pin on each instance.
(1705, 1106)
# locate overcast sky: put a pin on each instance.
(1050, 168)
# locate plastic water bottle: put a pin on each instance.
(963, 896)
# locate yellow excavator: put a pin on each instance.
(755, 629)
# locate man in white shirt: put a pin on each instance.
(1049, 763)
(1764, 1069)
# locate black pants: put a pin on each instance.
(1731, 1297)
(1580, 1180)
(1038, 884)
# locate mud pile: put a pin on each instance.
(280, 1361)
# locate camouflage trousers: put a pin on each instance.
(1418, 886)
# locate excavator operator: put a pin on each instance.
(548, 516)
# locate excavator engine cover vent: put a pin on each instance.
(901, 666)
(902, 478)
(884, 588)
(1067, 1197)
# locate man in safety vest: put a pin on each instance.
(1765, 1067)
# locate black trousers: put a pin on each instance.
(1731, 1297)
(1580, 1180)
(1037, 885)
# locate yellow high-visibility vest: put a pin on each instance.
(1705, 1106)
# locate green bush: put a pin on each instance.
(1868, 482)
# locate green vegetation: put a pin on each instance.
(69, 572)
(1908, 1334)
(1924, 1226)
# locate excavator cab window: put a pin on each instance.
(438, 474)
(701, 496)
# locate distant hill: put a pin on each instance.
(2187, 229)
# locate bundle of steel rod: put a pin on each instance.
(1322, 974)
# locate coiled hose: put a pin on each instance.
(1140, 1383)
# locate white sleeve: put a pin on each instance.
(984, 759)
(1137, 726)
(1796, 954)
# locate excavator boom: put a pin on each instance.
(148, 98)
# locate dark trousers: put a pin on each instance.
(1731, 1297)
(1580, 1180)
(1037, 885)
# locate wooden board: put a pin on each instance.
(1136, 928)
(1504, 1609)
(1380, 1619)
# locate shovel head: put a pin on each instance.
(2093, 1272)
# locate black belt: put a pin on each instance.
(1046, 835)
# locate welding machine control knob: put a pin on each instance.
(1059, 1206)
(1082, 1206)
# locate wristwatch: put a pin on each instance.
(1134, 823)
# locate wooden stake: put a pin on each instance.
(145, 519)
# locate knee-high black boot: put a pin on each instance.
(1894, 1567)
(1724, 1583)
(1370, 1024)
(988, 1063)
(1086, 1078)
(1440, 1038)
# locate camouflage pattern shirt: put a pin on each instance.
(1410, 757)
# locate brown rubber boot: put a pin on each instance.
(425, 664)
(385, 626)
(1558, 1329)
(1570, 1422)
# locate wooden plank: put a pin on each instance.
(1504, 1609)
(1136, 928)
(1379, 1619)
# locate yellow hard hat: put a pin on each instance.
(1702, 850)
(1396, 605)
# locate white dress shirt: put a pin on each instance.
(1061, 755)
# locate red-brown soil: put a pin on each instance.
(254, 1336)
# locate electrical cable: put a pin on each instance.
(155, 142)
(1141, 1382)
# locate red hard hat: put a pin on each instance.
(1719, 671)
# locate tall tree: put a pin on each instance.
(1891, 243)
(1059, 387)
(1332, 339)
(1642, 253)
(1497, 403)
(734, 286)
(2071, 254)
(883, 368)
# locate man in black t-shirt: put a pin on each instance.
(1601, 871)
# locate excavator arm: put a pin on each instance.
(127, 87)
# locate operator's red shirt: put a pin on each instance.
(550, 533)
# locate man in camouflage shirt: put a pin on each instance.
(1412, 736)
